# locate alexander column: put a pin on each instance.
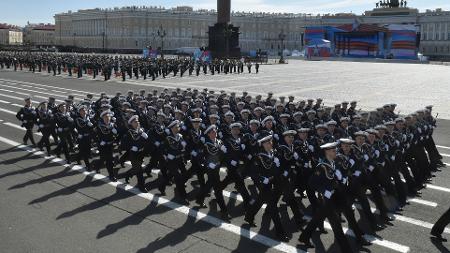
(223, 36)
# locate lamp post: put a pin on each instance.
(282, 37)
(162, 33)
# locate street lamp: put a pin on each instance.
(162, 33)
(282, 37)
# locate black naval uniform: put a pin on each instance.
(268, 167)
(135, 141)
(106, 136)
(84, 129)
(28, 117)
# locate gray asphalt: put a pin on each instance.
(46, 207)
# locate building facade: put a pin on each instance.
(10, 35)
(39, 35)
(139, 27)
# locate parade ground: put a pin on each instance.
(46, 206)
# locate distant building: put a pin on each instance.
(39, 35)
(10, 35)
(137, 27)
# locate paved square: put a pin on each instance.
(411, 86)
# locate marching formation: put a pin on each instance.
(119, 66)
(288, 150)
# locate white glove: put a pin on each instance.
(366, 157)
(397, 143)
(170, 157)
(328, 194)
(202, 139)
(249, 157)
(420, 130)
(41, 126)
(276, 161)
(102, 143)
(371, 168)
(233, 162)
(114, 131)
(306, 165)
(212, 165)
(276, 137)
(384, 163)
(357, 173)
(33, 112)
(266, 180)
(295, 156)
(393, 157)
(243, 146)
(80, 136)
(183, 143)
(386, 147)
(338, 175)
(426, 127)
(134, 149)
(157, 143)
(223, 148)
(167, 131)
(311, 147)
(352, 162)
(344, 180)
(193, 153)
(220, 135)
(144, 135)
(377, 153)
(89, 124)
(286, 173)
(60, 129)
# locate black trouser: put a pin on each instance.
(29, 136)
(84, 151)
(357, 189)
(197, 169)
(270, 196)
(176, 170)
(45, 140)
(136, 169)
(431, 148)
(106, 157)
(213, 183)
(440, 225)
(287, 190)
(62, 145)
(327, 209)
(233, 176)
(399, 184)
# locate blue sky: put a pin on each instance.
(18, 12)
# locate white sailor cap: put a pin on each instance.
(267, 119)
(265, 139)
(346, 141)
(285, 115)
(229, 114)
(133, 118)
(196, 120)
(372, 131)
(303, 130)
(236, 125)
(210, 128)
(331, 123)
(106, 113)
(214, 116)
(380, 127)
(289, 132)
(254, 122)
(173, 123)
(360, 133)
(327, 146)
